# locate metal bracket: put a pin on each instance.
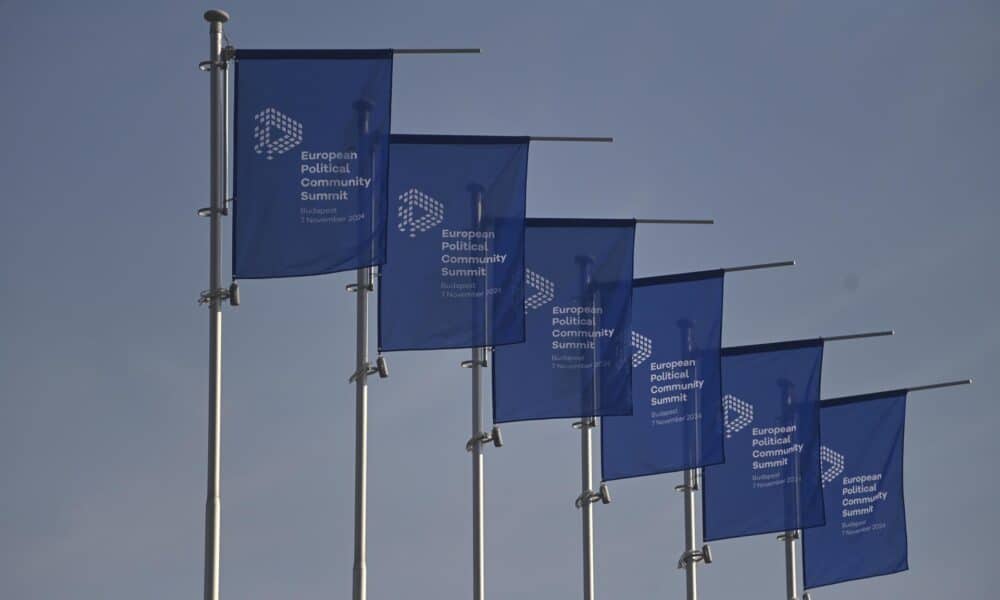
(602, 495)
(468, 364)
(208, 211)
(693, 556)
(232, 293)
(788, 535)
(228, 54)
(353, 287)
(381, 367)
(585, 424)
(683, 487)
(493, 435)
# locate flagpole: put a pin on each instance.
(692, 554)
(214, 296)
(585, 501)
(479, 437)
(790, 538)
(362, 369)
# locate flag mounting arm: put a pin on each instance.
(437, 51)
(857, 336)
(770, 265)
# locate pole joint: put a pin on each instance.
(602, 495)
(788, 536)
(468, 364)
(493, 435)
(381, 367)
(585, 424)
(693, 556)
(353, 287)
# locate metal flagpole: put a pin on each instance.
(215, 294)
(479, 437)
(692, 554)
(362, 286)
(790, 538)
(585, 501)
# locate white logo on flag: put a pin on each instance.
(275, 133)
(832, 462)
(412, 201)
(737, 414)
(642, 348)
(545, 290)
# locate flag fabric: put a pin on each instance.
(865, 531)
(677, 421)
(576, 360)
(454, 277)
(310, 161)
(770, 481)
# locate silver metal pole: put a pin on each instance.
(587, 509)
(690, 532)
(217, 190)
(478, 526)
(360, 588)
(363, 369)
(791, 567)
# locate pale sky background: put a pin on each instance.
(858, 138)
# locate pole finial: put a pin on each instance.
(216, 16)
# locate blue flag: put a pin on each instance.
(770, 481)
(676, 380)
(865, 531)
(310, 161)
(576, 360)
(455, 274)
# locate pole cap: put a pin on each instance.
(216, 16)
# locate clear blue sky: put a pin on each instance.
(858, 138)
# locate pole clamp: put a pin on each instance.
(353, 287)
(380, 367)
(602, 495)
(684, 488)
(493, 435)
(585, 424)
(228, 54)
(693, 556)
(468, 364)
(232, 293)
(788, 536)
(208, 211)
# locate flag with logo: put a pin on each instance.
(310, 161)
(455, 273)
(770, 481)
(576, 360)
(676, 422)
(862, 452)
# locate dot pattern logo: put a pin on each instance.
(268, 123)
(737, 414)
(833, 464)
(545, 291)
(418, 212)
(642, 349)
